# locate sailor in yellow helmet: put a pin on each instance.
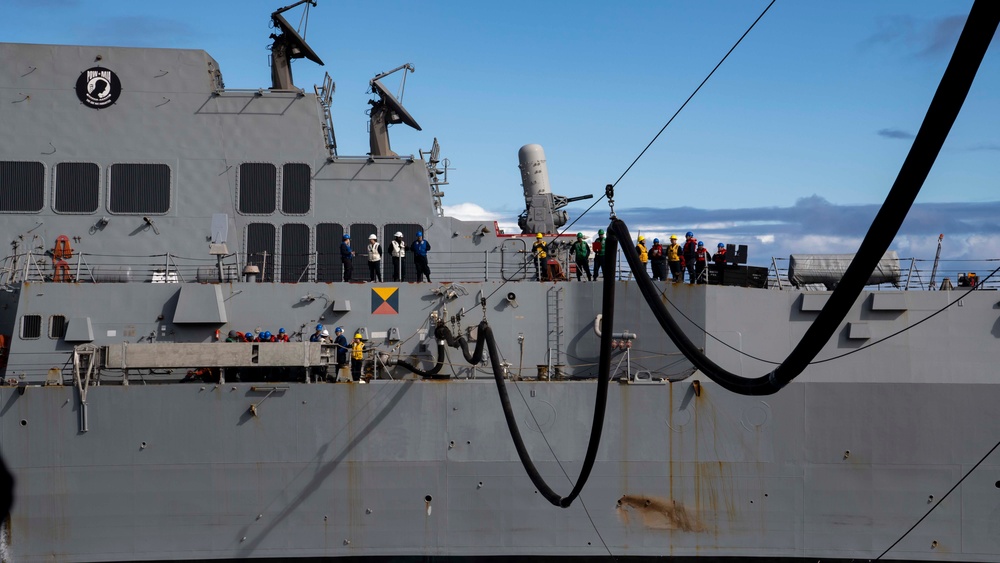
(643, 253)
(539, 252)
(357, 357)
(675, 259)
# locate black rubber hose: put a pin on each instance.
(600, 403)
(433, 372)
(442, 332)
(979, 29)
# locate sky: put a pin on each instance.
(790, 147)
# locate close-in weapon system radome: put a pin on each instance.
(543, 211)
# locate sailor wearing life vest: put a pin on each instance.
(702, 256)
(643, 253)
(581, 251)
(357, 358)
(538, 250)
(690, 254)
(720, 256)
(658, 260)
(598, 252)
(675, 260)
(398, 253)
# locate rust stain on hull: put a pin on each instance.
(659, 514)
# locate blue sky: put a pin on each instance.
(814, 111)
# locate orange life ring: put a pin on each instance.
(62, 249)
(61, 271)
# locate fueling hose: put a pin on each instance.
(944, 108)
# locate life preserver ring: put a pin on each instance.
(62, 249)
(61, 271)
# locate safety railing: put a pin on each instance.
(500, 263)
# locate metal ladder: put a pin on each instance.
(325, 96)
(554, 318)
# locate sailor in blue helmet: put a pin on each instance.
(690, 252)
(282, 335)
(249, 336)
(702, 256)
(420, 248)
(342, 349)
(347, 257)
(266, 336)
(720, 255)
(658, 260)
(318, 335)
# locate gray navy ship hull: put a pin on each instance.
(837, 465)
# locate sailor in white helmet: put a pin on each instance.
(398, 253)
(374, 259)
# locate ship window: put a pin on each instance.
(295, 193)
(22, 187)
(260, 249)
(257, 187)
(409, 231)
(57, 326)
(77, 187)
(31, 326)
(359, 242)
(140, 188)
(328, 238)
(294, 252)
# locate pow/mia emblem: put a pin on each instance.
(98, 87)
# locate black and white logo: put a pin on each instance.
(98, 87)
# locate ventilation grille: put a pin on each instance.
(78, 187)
(260, 249)
(295, 189)
(140, 188)
(328, 238)
(31, 326)
(258, 184)
(22, 186)
(294, 253)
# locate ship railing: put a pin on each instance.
(495, 263)
(915, 274)
(83, 267)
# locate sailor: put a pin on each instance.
(702, 255)
(234, 336)
(347, 257)
(538, 250)
(249, 336)
(581, 251)
(420, 248)
(342, 348)
(675, 260)
(282, 336)
(720, 255)
(690, 253)
(658, 260)
(374, 259)
(598, 252)
(357, 357)
(643, 253)
(266, 336)
(398, 253)
(318, 335)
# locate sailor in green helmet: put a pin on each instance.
(581, 251)
(599, 253)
